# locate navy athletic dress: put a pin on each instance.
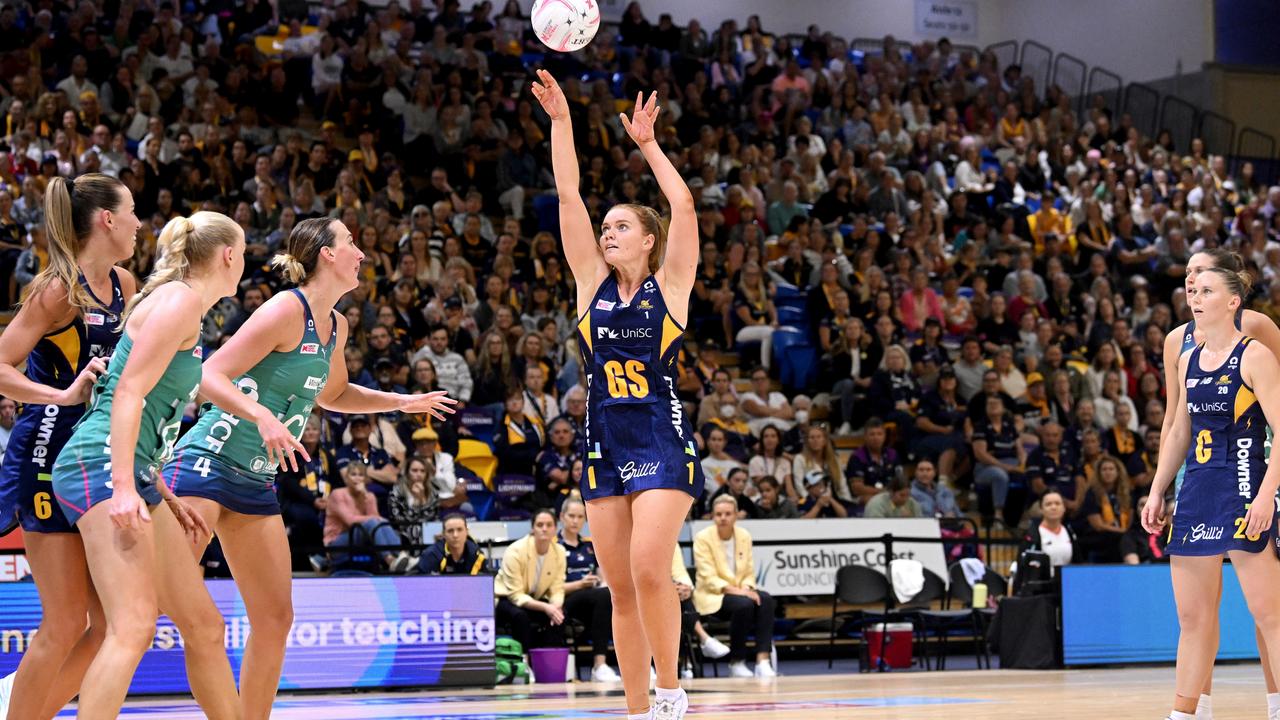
(40, 432)
(637, 436)
(1225, 462)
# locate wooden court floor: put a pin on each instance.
(1101, 694)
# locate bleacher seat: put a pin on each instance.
(792, 316)
(478, 457)
(547, 209)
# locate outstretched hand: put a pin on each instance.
(643, 117)
(549, 94)
(432, 403)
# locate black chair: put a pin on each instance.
(961, 592)
(926, 620)
(856, 585)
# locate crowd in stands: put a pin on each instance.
(985, 277)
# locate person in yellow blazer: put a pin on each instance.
(530, 586)
(711, 647)
(726, 588)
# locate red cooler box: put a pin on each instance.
(890, 644)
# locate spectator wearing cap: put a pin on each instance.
(939, 429)
(1036, 409)
(383, 470)
(452, 371)
(819, 500)
(450, 491)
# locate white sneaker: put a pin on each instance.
(713, 648)
(671, 709)
(686, 672)
(604, 673)
(764, 669)
(844, 429)
(403, 563)
(739, 669)
(6, 692)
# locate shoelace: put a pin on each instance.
(664, 710)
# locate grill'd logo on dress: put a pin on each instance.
(631, 471)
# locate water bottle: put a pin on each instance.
(979, 595)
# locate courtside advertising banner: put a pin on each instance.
(347, 633)
(810, 568)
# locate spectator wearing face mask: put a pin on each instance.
(738, 438)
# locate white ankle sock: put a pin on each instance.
(1204, 708)
(641, 716)
(665, 694)
(1175, 715)
(1273, 703)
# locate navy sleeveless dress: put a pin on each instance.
(637, 435)
(1225, 463)
(40, 432)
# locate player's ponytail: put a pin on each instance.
(302, 250)
(69, 209)
(1237, 282)
(185, 243)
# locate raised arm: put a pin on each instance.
(585, 261)
(680, 265)
(257, 338)
(339, 395)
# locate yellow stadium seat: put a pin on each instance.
(477, 457)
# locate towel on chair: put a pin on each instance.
(907, 577)
(974, 570)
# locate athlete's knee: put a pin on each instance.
(205, 630)
(133, 633)
(622, 594)
(651, 577)
(273, 623)
(1196, 617)
(60, 635)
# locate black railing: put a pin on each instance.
(1006, 53)
(1142, 103)
(1069, 74)
(1105, 84)
(1217, 132)
(1036, 61)
(1178, 117)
